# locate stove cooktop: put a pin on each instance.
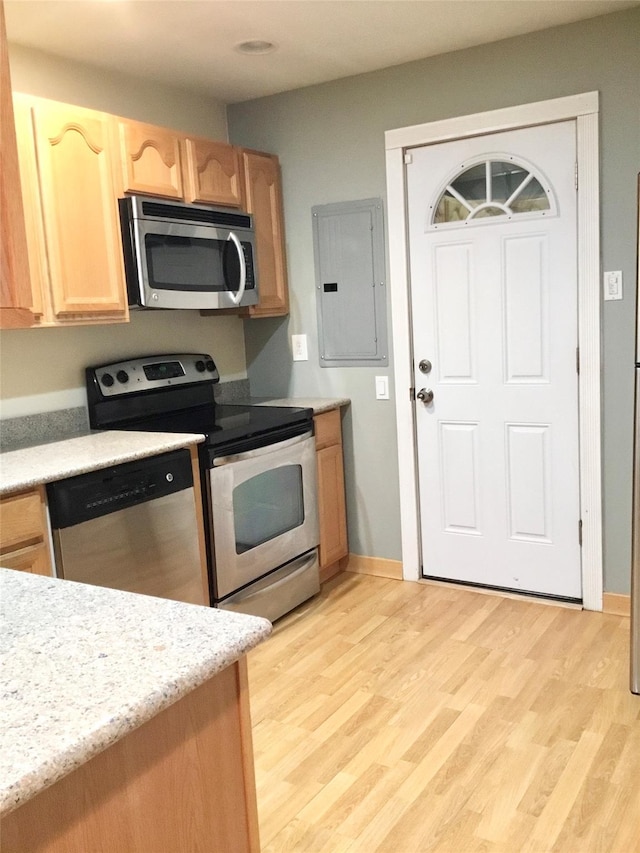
(225, 423)
(174, 393)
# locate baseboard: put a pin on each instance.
(616, 603)
(378, 566)
(328, 572)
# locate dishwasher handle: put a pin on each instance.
(98, 493)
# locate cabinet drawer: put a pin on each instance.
(20, 520)
(328, 429)
(33, 558)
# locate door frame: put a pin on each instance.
(584, 109)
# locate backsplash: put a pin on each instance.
(43, 427)
(67, 423)
(232, 392)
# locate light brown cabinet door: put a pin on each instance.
(263, 197)
(332, 510)
(24, 536)
(331, 505)
(79, 211)
(150, 159)
(212, 172)
(15, 283)
(21, 520)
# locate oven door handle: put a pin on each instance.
(219, 461)
(237, 296)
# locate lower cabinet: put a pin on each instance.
(182, 781)
(24, 536)
(332, 513)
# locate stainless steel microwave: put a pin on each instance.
(181, 255)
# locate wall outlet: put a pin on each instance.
(299, 347)
(612, 282)
(382, 387)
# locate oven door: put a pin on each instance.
(181, 265)
(263, 511)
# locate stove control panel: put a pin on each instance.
(150, 373)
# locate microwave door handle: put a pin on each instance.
(237, 296)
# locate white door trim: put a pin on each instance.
(584, 109)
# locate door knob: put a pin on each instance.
(425, 395)
(425, 366)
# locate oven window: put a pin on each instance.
(267, 505)
(191, 263)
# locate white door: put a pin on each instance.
(492, 243)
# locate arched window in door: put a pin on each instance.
(496, 186)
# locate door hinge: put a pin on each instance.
(580, 533)
(575, 174)
(577, 359)
(412, 393)
(408, 158)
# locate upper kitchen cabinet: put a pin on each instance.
(15, 283)
(162, 162)
(71, 212)
(150, 159)
(263, 198)
(212, 172)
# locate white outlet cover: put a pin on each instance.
(612, 284)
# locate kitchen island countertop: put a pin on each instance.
(45, 463)
(82, 666)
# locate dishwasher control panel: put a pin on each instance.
(97, 493)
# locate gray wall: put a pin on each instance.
(330, 139)
(25, 388)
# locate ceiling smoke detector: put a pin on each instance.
(255, 47)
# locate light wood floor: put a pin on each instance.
(403, 717)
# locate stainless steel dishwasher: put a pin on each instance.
(131, 527)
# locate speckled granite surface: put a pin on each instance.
(82, 666)
(318, 404)
(23, 469)
(28, 430)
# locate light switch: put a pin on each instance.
(612, 282)
(299, 347)
(382, 387)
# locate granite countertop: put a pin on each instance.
(82, 666)
(31, 466)
(45, 463)
(318, 404)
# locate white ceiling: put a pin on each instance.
(190, 43)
